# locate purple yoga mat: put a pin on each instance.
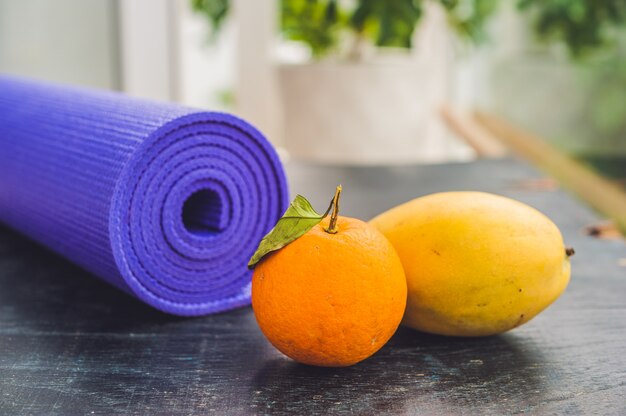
(165, 202)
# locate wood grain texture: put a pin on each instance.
(70, 344)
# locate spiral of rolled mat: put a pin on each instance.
(165, 202)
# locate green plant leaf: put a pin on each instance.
(299, 218)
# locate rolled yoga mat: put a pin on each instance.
(165, 202)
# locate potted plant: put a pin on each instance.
(372, 86)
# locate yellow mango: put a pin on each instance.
(476, 263)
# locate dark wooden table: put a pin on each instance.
(70, 344)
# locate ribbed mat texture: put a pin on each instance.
(165, 202)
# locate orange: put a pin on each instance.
(331, 300)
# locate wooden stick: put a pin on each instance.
(475, 135)
(599, 192)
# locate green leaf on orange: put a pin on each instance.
(299, 218)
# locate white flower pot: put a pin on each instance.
(361, 112)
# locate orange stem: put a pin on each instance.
(332, 225)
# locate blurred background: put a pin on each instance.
(354, 81)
